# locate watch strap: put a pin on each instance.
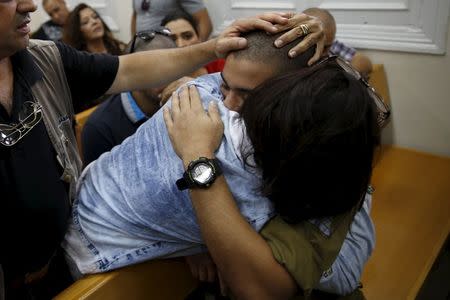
(186, 181)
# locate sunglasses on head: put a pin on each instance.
(148, 36)
(383, 109)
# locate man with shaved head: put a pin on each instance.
(52, 29)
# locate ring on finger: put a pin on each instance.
(304, 28)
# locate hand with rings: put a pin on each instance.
(302, 25)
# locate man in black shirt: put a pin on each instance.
(38, 164)
(53, 28)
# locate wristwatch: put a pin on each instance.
(200, 173)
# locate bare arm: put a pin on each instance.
(133, 23)
(244, 259)
(204, 25)
(154, 68)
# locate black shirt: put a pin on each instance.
(106, 127)
(49, 31)
(34, 205)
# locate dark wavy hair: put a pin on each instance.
(180, 14)
(314, 133)
(72, 34)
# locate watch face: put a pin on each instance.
(202, 173)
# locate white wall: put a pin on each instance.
(124, 11)
(419, 87)
(420, 95)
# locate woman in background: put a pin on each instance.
(183, 28)
(86, 30)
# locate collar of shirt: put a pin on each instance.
(24, 63)
(26, 74)
(132, 110)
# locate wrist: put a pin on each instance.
(210, 47)
(194, 156)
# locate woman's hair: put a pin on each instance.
(314, 133)
(180, 14)
(72, 33)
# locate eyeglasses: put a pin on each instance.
(29, 116)
(149, 35)
(145, 5)
(383, 109)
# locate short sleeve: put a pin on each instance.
(89, 75)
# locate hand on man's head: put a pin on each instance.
(295, 28)
(293, 24)
(230, 39)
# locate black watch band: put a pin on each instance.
(200, 173)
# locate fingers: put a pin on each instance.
(307, 42)
(293, 21)
(315, 36)
(227, 44)
(318, 54)
(185, 102)
(167, 118)
(248, 24)
(196, 104)
(213, 111)
(165, 95)
(276, 18)
(175, 105)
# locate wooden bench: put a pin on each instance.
(411, 212)
(159, 280)
(80, 120)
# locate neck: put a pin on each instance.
(6, 84)
(96, 46)
(149, 105)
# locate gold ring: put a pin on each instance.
(304, 28)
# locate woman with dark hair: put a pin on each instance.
(313, 137)
(86, 30)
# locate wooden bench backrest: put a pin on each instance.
(160, 280)
(411, 212)
(80, 120)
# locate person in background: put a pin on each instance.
(184, 32)
(149, 13)
(120, 115)
(359, 61)
(53, 28)
(85, 30)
